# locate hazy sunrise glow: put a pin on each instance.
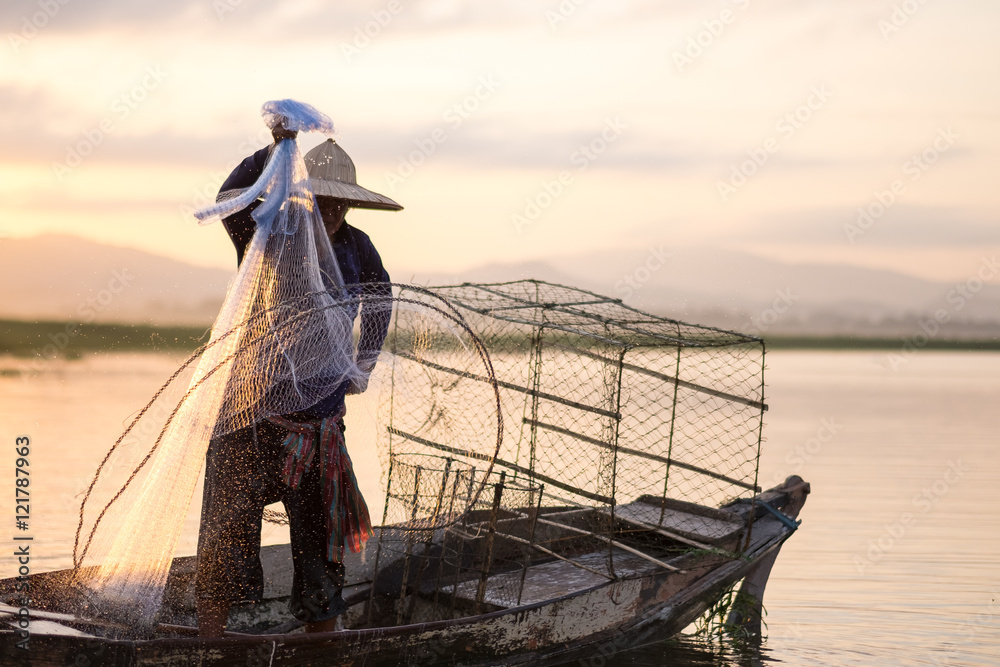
(520, 130)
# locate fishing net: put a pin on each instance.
(624, 436)
(287, 336)
(523, 427)
(258, 363)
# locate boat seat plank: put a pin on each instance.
(6, 609)
(43, 627)
(717, 528)
(550, 580)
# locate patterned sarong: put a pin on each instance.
(347, 520)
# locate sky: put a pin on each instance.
(855, 132)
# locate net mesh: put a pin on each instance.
(609, 402)
(446, 548)
(526, 428)
(515, 420)
(122, 565)
(283, 340)
(622, 431)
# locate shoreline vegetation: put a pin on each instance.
(71, 340)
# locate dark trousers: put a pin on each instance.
(242, 476)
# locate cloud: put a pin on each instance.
(483, 149)
(301, 15)
(296, 18)
(902, 226)
(58, 130)
(77, 15)
(28, 104)
(482, 143)
(504, 143)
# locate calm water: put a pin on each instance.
(897, 561)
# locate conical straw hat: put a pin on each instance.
(332, 174)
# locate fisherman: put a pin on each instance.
(244, 468)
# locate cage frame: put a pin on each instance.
(633, 330)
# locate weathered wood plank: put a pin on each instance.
(694, 526)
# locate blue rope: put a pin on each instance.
(791, 523)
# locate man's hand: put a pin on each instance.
(358, 385)
(279, 132)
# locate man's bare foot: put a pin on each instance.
(212, 617)
(334, 624)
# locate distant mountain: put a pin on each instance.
(746, 291)
(749, 293)
(65, 277)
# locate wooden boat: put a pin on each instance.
(591, 483)
(563, 608)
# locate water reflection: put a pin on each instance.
(682, 651)
(897, 560)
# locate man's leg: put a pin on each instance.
(212, 617)
(229, 540)
(317, 583)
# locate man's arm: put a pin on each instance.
(240, 225)
(376, 309)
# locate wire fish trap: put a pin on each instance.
(639, 427)
(451, 553)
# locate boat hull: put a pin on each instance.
(613, 616)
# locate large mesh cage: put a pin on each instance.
(621, 435)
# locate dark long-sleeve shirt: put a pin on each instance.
(359, 263)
